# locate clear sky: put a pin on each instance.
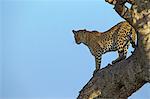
(39, 58)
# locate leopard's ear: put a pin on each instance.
(74, 32)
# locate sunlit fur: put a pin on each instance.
(117, 38)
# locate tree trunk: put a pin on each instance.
(121, 80)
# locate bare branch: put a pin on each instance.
(120, 80)
(113, 2)
(116, 81)
(123, 10)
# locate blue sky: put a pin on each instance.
(39, 58)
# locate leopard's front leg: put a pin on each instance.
(98, 57)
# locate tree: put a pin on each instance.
(121, 80)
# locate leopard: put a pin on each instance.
(118, 38)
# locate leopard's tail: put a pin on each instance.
(133, 37)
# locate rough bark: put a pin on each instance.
(121, 80)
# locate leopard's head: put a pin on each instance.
(78, 35)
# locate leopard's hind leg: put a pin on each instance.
(122, 55)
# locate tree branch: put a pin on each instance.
(113, 2)
(120, 80)
(117, 81)
(123, 10)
